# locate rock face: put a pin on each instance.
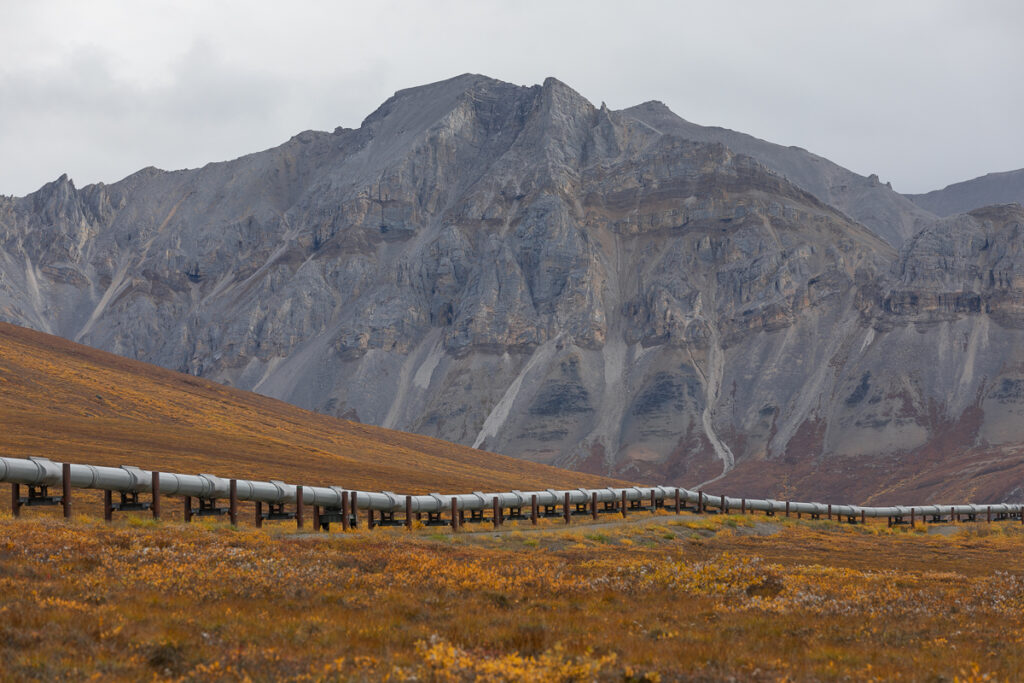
(994, 188)
(514, 268)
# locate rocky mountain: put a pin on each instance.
(994, 188)
(515, 269)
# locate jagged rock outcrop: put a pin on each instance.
(513, 267)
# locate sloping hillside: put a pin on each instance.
(69, 402)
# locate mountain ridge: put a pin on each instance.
(993, 188)
(514, 268)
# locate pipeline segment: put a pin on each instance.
(126, 479)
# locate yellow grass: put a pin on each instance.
(657, 597)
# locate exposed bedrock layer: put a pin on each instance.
(514, 268)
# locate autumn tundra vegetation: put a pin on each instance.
(654, 596)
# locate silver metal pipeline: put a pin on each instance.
(43, 472)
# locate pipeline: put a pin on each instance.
(41, 472)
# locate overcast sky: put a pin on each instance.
(922, 93)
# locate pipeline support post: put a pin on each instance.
(593, 504)
(188, 508)
(566, 514)
(654, 503)
(355, 510)
(408, 512)
(345, 511)
(723, 508)
(108, 505)
(743, 506)
(455, 514)
(912, 518)
(495, 513)
(622, 505)
(298, 507)
(370, 521)
(66, 489)
(678, 502)
(15, 500)
(533, 509)
(233, 502)
(155, 507)
(787, 508)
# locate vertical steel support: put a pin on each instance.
(566, 514)
(355, 509)
(298, 507)
(345, 511)
(533, 509)
(370, 521)
(654, 503)
(233, 502)
(723, 509)
(787, 508)
(495, 512)
(108, 505)
(622, 508)
(700, 501)
(316, 518)
(408, 512)
(862, 516)
(912, 519)
(988, 514)
(66, 489)
(743, 506)
(455, 514)
(15, 500)
(830, 510)
(155, 507)
(259, 514)
(188, 508)
(593, 504)
(952, 514)
(678, 501)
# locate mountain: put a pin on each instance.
(875, 205)
(994, 188)
(513, 268)
(69, 402)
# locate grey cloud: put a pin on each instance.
(922, 93)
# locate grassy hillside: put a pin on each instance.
(72, 403)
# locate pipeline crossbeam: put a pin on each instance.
(127, 479)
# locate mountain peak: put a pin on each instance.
(429, 101)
